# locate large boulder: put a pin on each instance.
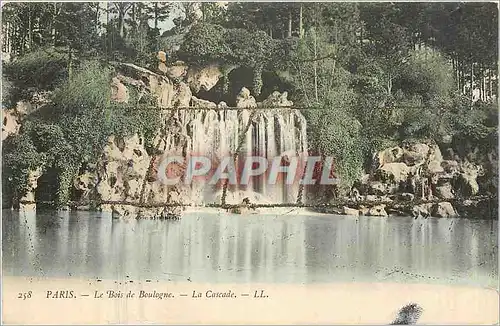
(422, 210)
(119, 92)
(31, 186)
(277, 99)
(445, 191)
(450, 166)
(378, 210)
(123, 168)
(177, 70)
(350, 211)
(444, 209)
(11, 123)
(162, 56)
(415, 154)
(245, 100)
(182, 96)
(435, 160)
(394, 172)
(160, 87)
(467, 179)
(204, 78)
(389, 155)
(377, 188)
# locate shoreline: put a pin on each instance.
(322, 211)
(326, 303)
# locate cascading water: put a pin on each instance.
(215, 134)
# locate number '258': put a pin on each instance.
(24, 295)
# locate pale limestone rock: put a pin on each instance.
(162, 67)
(182, 96)
(422, 210)
(119, 92)
(445, 191)
(468, 178)
(31, 186)
(407, 196)
(450, 166)
(350, 211)
(203, 78)
(389, 155)
(444, 209)
(245, 100)
(162, 56)
(222, 105)
(163, 89)
(435, 160)
(363, 210)
(11, 123)
(276, 99)
(416, 154)
(160, 87)
(378, 210)
(396, 172)
(177, 70)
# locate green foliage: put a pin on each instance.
(40, 70)
(428, 74)
(19, 158)
(204, 43)
(336, 133)
(72, 131)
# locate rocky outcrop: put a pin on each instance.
(31, 186)
(350, 211)
(12, 118)
(414, 173)
(378, 210)
(119, 92)
(203, 78)
(444, 209)
(245, 100)
(127, 180)
(177, 71)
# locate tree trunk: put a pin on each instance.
(316, 97)
(70, 63)
(121, 23)
(290, 23)
(30, 29)
(471, 83)
(156, 9)
(53, 23)
(490, 82)
(134, 17)
(301, 24)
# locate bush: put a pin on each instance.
(204, 43)
(19, 158)
(40, 70)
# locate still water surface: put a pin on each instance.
(212, 247)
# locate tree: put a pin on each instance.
(122, 9)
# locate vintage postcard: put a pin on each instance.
(249, 163)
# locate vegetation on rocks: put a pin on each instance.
(378, 74)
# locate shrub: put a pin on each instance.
(40, 70)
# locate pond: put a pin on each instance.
(267, 248)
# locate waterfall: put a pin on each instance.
(215, 134)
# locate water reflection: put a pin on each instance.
(260, 248)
